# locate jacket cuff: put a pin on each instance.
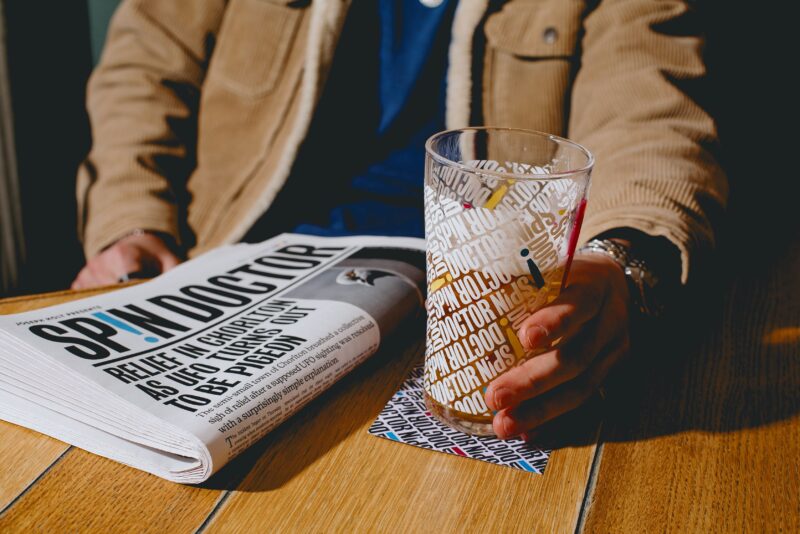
(104, 229)
(691, 239)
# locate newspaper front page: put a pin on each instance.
(178, 375)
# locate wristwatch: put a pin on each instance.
(642, 281)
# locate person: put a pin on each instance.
(215, 122)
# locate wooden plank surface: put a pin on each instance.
(713, 443)
(25, 455)
(319, 471)
(326, 473)
(86, 493)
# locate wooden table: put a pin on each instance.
(706, 438)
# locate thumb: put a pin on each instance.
(168, 260)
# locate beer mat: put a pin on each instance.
(406, 419)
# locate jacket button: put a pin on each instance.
(550, 35)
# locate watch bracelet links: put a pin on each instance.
(629, 264)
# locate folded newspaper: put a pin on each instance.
(179, 375)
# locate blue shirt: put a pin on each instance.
(360, 170)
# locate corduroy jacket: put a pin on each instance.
(198, 109)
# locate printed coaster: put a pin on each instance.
(406, 419)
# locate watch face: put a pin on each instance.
(644, 284)
(648, 278)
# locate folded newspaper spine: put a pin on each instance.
(178, 375)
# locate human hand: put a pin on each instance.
(132, 254)
(590, 321)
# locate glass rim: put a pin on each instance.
(510, 175)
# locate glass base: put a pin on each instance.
(472, 425)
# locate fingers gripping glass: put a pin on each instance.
(503, 209)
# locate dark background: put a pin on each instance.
(52, 45)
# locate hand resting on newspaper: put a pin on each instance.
(590, 322)
(140, 252)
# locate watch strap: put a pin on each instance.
(641, 279)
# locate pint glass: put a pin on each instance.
(503, 209)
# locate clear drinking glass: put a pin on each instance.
(503, 209)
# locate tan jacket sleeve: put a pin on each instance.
(142, 101)
(654, 170)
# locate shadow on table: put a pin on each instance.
(729, 365)
(730, 362)
(326, 421)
